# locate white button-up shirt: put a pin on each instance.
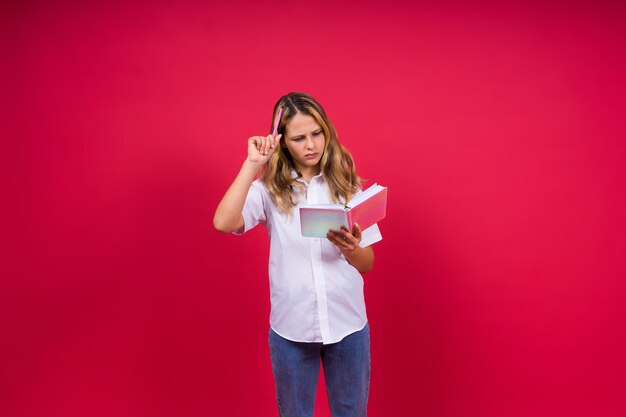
(316, 295)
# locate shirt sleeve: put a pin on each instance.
(370, 236)
(253, 209)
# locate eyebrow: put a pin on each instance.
(301, 136)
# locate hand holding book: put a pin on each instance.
(344, 240)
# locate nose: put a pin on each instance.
(309, 142)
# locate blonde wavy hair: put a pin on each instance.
(336, 164)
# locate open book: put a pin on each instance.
(365, 208)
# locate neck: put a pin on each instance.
(309, 172)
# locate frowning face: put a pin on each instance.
(305, 141)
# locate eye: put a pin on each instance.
(319, 132)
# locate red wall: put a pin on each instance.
(498, 288)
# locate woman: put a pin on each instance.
(316, 288)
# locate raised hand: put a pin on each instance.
(260, 148)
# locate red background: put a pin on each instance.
(499, 286)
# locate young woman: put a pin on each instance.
(316, 288)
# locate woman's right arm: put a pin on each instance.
(228, 216)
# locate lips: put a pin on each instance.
(311, 155)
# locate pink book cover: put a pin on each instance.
(369, 212)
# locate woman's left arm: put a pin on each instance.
(360, 258)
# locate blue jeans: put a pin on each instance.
(346, 368)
